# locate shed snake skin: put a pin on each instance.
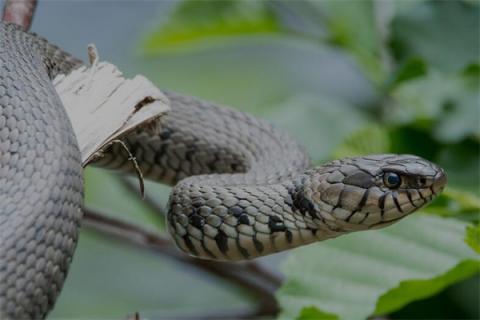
(242, 188)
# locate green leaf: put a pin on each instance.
(312, 313)
(472, 71)
(472, 237)
(411, 69)
(444, 33)
(347, 276)
(444, 103)
(193, 22)
(412, 290)
(413, 139)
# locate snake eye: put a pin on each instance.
(392, 180)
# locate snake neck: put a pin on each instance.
(237, 222)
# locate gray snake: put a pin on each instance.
(242, 188)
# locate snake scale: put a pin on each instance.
(242, 188)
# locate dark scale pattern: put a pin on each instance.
(298, 201)
(40, 177)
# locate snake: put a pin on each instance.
(242, 188)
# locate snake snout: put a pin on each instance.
(439, 181)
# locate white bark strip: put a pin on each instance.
(102, 104)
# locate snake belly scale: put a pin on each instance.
(242, 188)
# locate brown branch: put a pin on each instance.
(19, 12)
(243, 275)
(261, 271)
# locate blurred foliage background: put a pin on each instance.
(345, 77)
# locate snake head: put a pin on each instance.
(373, 191)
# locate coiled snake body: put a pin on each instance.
(242, 187)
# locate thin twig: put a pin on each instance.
(19, 12)
(131, 158)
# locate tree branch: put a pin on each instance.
(19, 12)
